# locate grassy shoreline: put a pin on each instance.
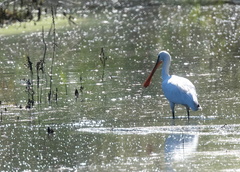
(32, 26)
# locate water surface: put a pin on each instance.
(115, 123)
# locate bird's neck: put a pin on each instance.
(165, 70)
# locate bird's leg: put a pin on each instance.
(188, 111)
(173, 114)
(172, 105)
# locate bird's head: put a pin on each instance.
(162, 56)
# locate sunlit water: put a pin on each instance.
(115, 124)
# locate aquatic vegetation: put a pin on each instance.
(103, 59)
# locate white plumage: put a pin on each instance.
(177, 90)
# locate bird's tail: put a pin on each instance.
(199, 107)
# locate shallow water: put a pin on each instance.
(115, 123)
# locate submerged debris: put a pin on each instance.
(102, 57)
(56, 95)
(81, 87)
(76, 93)
(50, 130)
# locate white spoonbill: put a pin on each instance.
(177, 90)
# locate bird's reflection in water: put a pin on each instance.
(179, 147)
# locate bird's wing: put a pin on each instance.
(180, 90)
